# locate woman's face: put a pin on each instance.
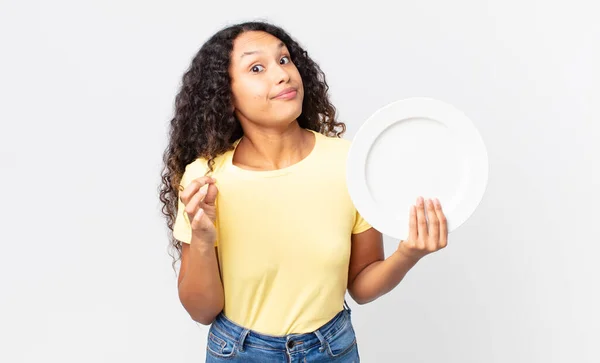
(267, 87)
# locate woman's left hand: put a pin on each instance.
(425, 238)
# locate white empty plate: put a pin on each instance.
(416, 147)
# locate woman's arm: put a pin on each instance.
(371, 276)
(199, 283)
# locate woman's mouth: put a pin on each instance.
(286, 94)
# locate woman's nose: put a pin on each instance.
(283, 75)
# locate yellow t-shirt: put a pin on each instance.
(283, 238)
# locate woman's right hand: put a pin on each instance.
(199, 198)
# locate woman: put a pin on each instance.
(254, 191)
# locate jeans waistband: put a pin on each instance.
(290, 343)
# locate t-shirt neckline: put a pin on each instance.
(275, 172)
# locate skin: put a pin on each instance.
(199, 283)
(261, 67)
(371, 276)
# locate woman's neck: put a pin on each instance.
(272, 149)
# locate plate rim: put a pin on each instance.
(460, 126)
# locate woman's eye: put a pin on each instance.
(257, 68)
(285, 60)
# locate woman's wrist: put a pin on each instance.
(408, 254)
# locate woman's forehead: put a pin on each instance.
(252, 42)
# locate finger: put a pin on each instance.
(433, 223)
(421, 220)
(193, 188)
(412, 224)
(443, 223)
(211, 195)
(193, 204)
(197, 220)
(202, 221)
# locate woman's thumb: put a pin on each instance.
(211, 195)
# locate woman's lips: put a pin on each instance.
(286, 94)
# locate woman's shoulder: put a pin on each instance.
(335, 144)
(200, 167)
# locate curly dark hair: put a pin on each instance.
(204, 124)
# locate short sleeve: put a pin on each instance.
(360, 224)
(182, 228)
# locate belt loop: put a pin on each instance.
(347, 307)
(242, 339)
(322, 340)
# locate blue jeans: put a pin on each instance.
(333, 342)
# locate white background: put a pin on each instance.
(86, 93)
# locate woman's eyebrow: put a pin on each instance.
(279, 46)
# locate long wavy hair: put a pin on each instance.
(204, 124)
